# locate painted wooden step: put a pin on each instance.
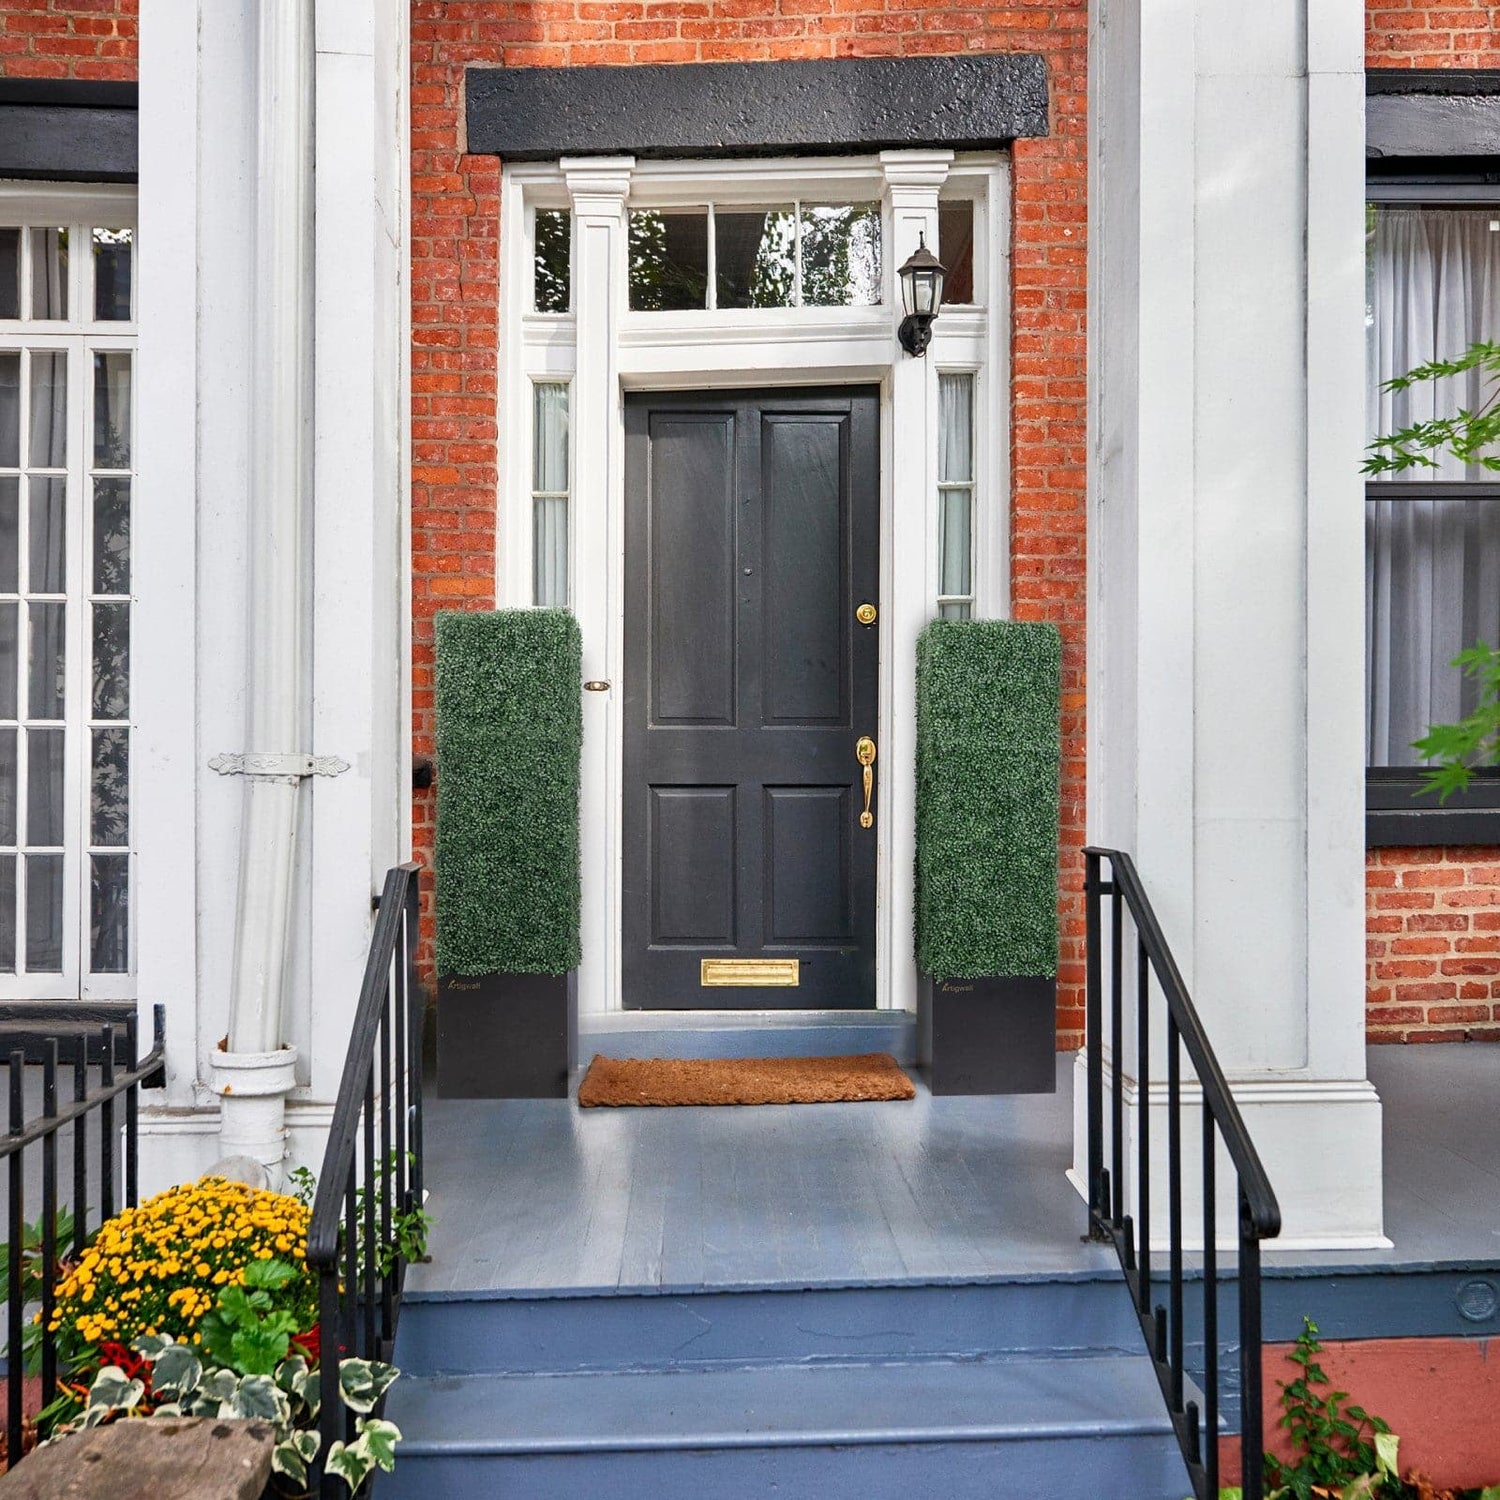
(1012, 1429)
(476, 1334)
(638, 1033)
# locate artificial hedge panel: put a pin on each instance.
(988, 753)
(509, 734)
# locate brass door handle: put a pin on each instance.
(864, 753)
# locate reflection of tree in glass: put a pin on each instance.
(668, 261)
(757, 257)
(841, 255)
(553, 234)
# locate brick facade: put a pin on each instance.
(1433, 945)
(455, 269)
(1434, 914)
(94, 39)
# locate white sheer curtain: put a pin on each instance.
(549, 495)
(1432, 567)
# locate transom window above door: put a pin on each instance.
(67, 349)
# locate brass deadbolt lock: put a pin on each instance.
(866, 614)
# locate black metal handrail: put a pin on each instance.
(57, 1036)
(1259, 1217)
(372, 1168)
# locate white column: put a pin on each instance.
(1226, 552)
(913, 180)
(598, 187)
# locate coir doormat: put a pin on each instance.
(743, 1080)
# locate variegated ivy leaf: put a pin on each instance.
(379, 1439)
(168, 1409)
(152, 1345)
(293, 1456)
(112, 1391)
(219, 1385)
(291, 1376)
(351, 1464)
(257, 1396)
(1386, 1445)
(176, 1370)
(362, 1382)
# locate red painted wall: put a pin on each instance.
(1439, 1396)
(68, 39)
(455, 212)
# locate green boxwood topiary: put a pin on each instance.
(988, 752)
(509, 736)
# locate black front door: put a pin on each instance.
(751, 541)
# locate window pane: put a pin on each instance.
(8, 785)
(550, 582)
(111, 536)
(109, 819)
(1433, 288)
(552, 261)
(669, 260)
(46, 542)
(112, 410)
(956, 250)
(44, 787)
(49, 410)
(109, 913)
(47, 671)
(10, 410)
(954, 549)
(49, 273)
(955, 428)
(1432, 588)
(9, 659)
(8, 912)
(550, 445)
(755, 257)
(10, 273)
(112, 275)
(111, 698)
(10, 535)
(44, 915)
(841, 255)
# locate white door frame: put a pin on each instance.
(604, 351)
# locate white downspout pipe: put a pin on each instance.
(256, 1071)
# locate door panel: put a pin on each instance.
(751, 535)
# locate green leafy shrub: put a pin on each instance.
(509, 736)
(988, 753)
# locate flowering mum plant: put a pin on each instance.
(158, 1270)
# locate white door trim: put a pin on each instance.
(604, 350)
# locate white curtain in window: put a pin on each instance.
(549, 484)
(1432, 567)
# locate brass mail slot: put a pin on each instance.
(782, 973)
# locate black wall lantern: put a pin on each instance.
(921, 296)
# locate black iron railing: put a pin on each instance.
(372, 1169)
(1219, 1124)
(102, 1063)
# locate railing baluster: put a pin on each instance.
(107, 1130)
(1174, 1206)
(1143, 1127)
(132, 1123)
(80, 1147)
(411, 931)
(49, 1221)
(387, 1168)
(1210, 1304)
(1117, 1043)
(1094, 1033)
(370, 1251)
(1252, 1440)
(15, 1305)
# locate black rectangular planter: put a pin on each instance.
(506, 1036)
(992, 1035)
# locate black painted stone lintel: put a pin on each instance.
(739, 109)
(46, 140)
(1398, 814)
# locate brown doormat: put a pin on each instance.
(743, 1080)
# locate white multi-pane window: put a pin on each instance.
(67, 341)
(549, 493)
(955, 496)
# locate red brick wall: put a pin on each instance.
(1433, 935)
(1434, 915)
(1424, 34)
(455, 211)
(68, 39)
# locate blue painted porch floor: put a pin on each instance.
(861, 1300)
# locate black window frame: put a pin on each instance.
(1398, 812)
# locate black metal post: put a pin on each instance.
(15, 1261)
(1094, 1033)
(49, 1221)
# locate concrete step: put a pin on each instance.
(490, 1334)
(1006, 1429)
(812, 1033)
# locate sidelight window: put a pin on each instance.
(549, 493)
(66, 492)
(955, 496)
